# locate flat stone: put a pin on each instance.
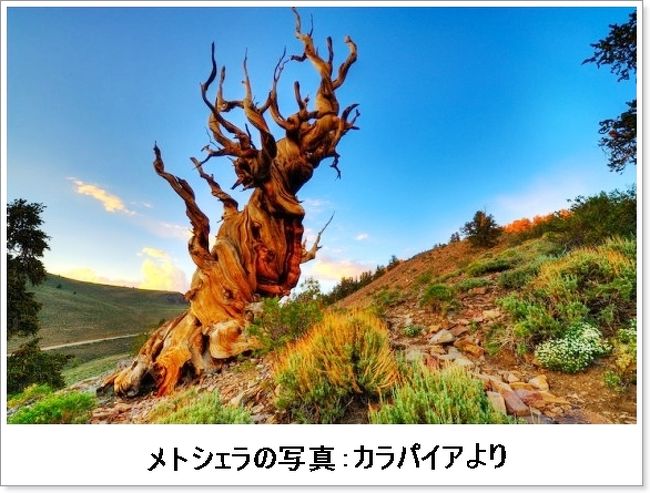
(499, 386)
(514, 405)
(437, 349)
(478, 290)
(554, 399)
(540, 382)
(237, 400)
(531, 398)
(459, 330)
(467, 346)
(497, 401)
(491, 314)
(464, 362)
(511, 377)
(414, 354)
(442, 337)
(521, 385)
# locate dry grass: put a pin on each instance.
(344, 355)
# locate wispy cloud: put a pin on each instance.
(361, 236)
(547, 194)
(110, 202)
(333, 270)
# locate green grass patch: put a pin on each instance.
(78, 310)
(93, 368)
(30, 394)
(413, 330)
(59, 408)
(448, 396)
(192, 407)
(471, 283)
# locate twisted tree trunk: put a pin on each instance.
(259, 249)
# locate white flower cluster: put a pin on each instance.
(575, 351)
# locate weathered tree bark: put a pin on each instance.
(258, 249)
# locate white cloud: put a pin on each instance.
(160, 272)
(334, 270)
(361, 236)
(110, 202)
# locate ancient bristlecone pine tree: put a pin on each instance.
(258, 249)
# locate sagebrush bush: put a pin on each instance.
(191, 407)
(346, 354)
(29, 395)
(573, 352)
(593, 284)
(471, 283)
(58, 408)
(438, 297)
(280, 323)
(488, 265)
(448, 396)
(624, 350)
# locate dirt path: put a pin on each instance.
(89, 341)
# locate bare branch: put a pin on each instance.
(230, 205)
(310, 254)
(199, 242)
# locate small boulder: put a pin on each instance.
(521, 385)
(467, 346)
(459, 330)
(540, 382)
(464, 362)
(442, 337)
(491, 314)
(514, 404)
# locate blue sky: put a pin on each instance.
(461, 109)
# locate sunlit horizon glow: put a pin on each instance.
(461, 109)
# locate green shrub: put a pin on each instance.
(594, 284)
(471, 283)
(29, 395)
(519, 277)
(59, 408)
(192, 407)
(594, 219)
(424, 278)
(489, 265)
(413, 330)
(385, 299)
(624, 350)
(439, 297)
(346, 354)
(281, 323)
(574, 352)
(449, 396)
(28, 365)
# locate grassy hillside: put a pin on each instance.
(78, 311)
